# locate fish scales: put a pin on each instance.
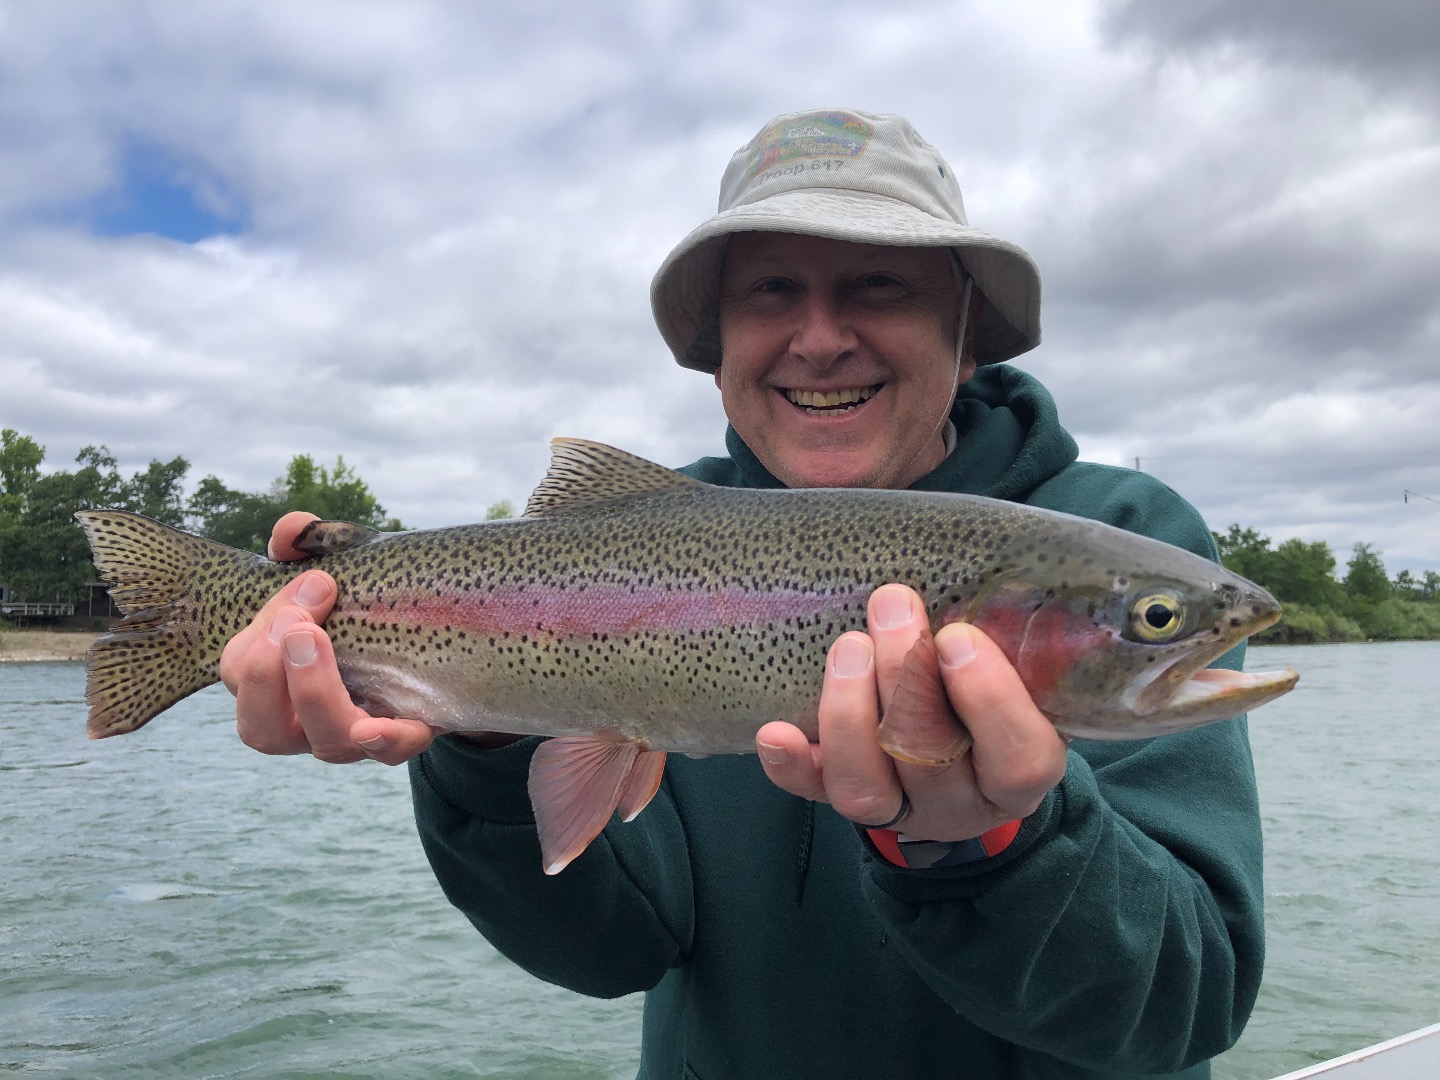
(719, 599)
(634, 611)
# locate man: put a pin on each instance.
(1030, 910)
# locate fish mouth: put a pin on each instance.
(1180, 692)
(1187, 693)
(831, 402)
(1224, 693)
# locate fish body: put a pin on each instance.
(634, 611)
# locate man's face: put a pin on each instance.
(804, 319)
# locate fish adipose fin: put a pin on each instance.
(920, 726)
(583, 474)
(577, 782)
(323, 537)
(164, 649)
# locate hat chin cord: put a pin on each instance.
(962, 324)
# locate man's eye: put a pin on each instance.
(773, 285)
(879, 281)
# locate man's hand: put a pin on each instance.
(1016, 758)
(288, 694)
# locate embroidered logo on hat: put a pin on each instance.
(818, 135)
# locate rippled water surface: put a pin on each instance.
(1349, 766)
(173, 905)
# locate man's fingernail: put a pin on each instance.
(313, 591)
(374, 745)
(283, 622)
(892, 608)
(955, 648)
(773, 755)
(300, 649)
(851, 657)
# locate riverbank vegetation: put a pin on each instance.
(43, 554)
(1366, 605)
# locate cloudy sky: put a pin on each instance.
(421, 235)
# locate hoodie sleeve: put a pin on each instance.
(1122, 930)
(595, 928)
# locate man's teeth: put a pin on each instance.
(821, 399)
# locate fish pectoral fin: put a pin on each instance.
(920, 726)
(577, 782)
(584, 473)
(640, 788)
(323, 537)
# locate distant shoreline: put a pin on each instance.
(40, 646)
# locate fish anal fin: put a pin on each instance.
(323, 537)
(576, 782)
(642, 785)
(920, 725)
(584, 473)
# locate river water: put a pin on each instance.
(174, 905)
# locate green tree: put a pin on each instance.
(43, 553)
(1247, 553)
(20, 458)
(1421, 589)
(243, 519)
(1366, 579)
(336, 494)
(1296, 572)
(158, 491)
(498, 511)
(1305, 573)
(98, 481)
(239, 518)
(1406, 584)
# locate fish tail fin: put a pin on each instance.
(577, 782)
(169, 643)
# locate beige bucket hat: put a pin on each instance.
(848, 175)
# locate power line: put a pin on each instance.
(1408, 494)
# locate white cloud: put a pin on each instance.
(452, 212)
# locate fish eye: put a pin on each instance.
(1157, 617)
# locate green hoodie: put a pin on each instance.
(1119, 934)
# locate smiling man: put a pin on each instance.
(1026, 910)
(840, 358)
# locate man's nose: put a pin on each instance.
(824, 333)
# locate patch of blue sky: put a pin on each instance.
(156, 195)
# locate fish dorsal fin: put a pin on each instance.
(584, 473)
(323, 537)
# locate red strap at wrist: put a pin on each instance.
(887, 842)
(986, 845)
(1000, 837)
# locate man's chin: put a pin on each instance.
(830, 469)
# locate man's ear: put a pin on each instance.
(717, 380)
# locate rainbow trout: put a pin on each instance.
(634, 611)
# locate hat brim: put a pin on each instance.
(685, 293)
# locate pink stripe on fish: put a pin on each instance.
(611, 609)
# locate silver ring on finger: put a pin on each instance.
(899, 814)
